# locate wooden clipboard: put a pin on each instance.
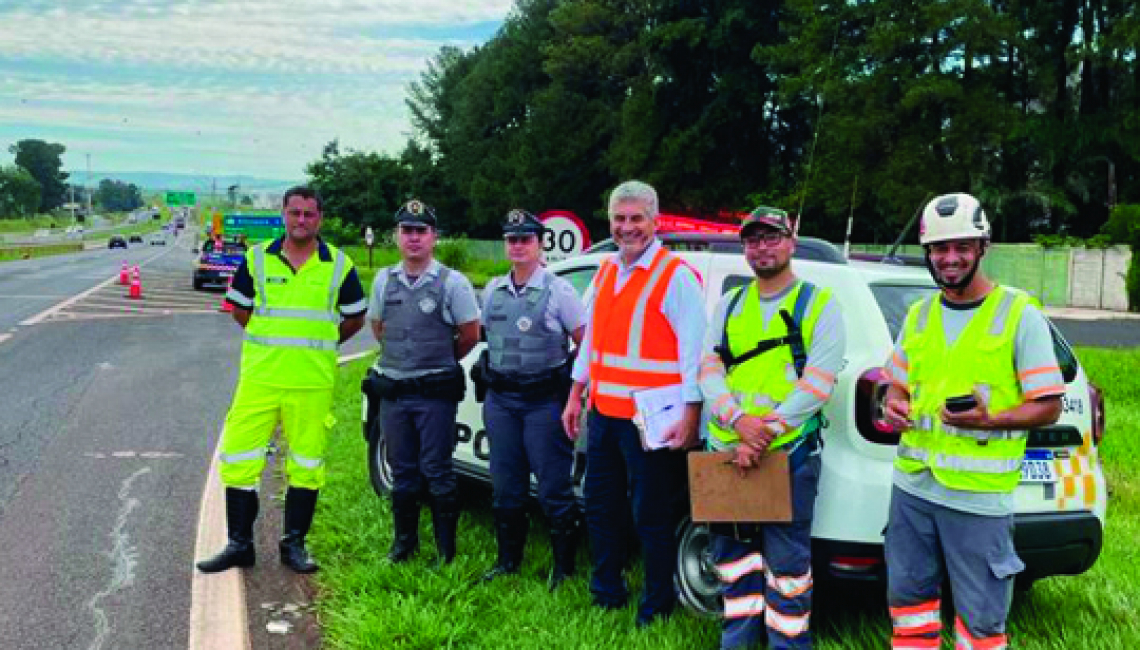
(718, 493)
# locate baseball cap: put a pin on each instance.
(766, 216)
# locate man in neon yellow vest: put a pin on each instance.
(297, 298)
(771, 354)
(973, 370)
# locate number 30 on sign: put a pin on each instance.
(565, 236)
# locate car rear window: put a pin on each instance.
(895, 300)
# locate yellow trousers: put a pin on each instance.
(306, 420)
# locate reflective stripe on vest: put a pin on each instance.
(633, 345)
(980, 361)
(293, 332)
(761, 383)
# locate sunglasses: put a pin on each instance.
(414, 230)
(519, 239)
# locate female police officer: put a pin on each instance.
(529, 314)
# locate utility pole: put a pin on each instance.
(87, 184)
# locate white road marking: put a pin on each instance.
(5, 337)
(51, 311)
(124, 557)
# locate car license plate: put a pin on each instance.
(1037, 467)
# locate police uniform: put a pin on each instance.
(776, 357)
(420, 385)
(525, 368)
(288, 368)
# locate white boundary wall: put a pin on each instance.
(1096, 277)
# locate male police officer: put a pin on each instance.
(972, 372)
(426, 318)
(297, 298)
(647, 321)
(769, 366)
(529, 315)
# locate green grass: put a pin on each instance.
(366, 603)
(23, 252)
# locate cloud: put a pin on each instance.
(217, 76)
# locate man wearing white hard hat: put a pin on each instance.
(972, 372)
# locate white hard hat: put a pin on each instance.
(953, 216)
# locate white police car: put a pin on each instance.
(1062, 497)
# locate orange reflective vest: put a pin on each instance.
(633, 345)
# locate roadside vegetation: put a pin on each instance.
(455, 253)
(364, 602)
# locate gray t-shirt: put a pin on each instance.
(459, 303)
(1039, 375)
(824, 360)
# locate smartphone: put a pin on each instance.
(961, 403)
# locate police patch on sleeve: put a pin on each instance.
(427, 305)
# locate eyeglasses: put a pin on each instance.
(519, 239)
(770, 238)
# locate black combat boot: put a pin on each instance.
(510, 532)
(445, 523)
(299, 506)
(406, 520)
(241, 511)
(564, 533)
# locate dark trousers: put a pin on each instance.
(622, 479)
(527, 436)
(421, 440)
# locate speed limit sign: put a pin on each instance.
(565, 236)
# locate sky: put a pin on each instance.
(220, 87)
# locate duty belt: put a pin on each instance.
(533, 385)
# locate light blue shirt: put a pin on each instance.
(683, 307)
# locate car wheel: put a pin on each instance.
(379, 471)
(697, 582)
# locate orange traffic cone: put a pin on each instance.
(135, 292)
(124, 274)
(226, 306)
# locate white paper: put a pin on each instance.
(658, 409)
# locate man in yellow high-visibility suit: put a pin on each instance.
(298, 298)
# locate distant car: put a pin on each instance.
(116, 241)
(136, 239)
(158, 239)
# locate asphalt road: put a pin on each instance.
(1106, 332)
(111, 411)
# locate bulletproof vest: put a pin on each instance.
(415, 335)
(517, 337)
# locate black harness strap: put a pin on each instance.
(793, 339)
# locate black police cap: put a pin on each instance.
(521, 222)
(415, 212)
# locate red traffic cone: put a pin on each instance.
(124, 274)
(135, 292)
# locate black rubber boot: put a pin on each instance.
(445, 524)
(241, 511)
(564, 534)
(510, 532)
(299, 507)
(406, 520)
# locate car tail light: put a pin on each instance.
(1096, 400)
(870, 391)
(855, 567)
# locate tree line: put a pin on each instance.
(36, 183)
(860, 109)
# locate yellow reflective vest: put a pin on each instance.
(981, 360)
(292, 335)
(763, 382)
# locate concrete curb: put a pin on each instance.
(217, 601)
